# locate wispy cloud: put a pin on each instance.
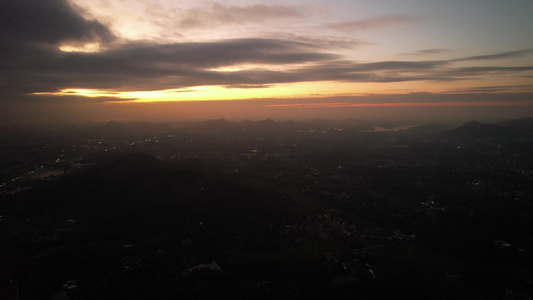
(427, 51)
(320, 41)
(371, 23)
(217, 14)
(165, 21)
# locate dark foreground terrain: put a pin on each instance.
(221, 210)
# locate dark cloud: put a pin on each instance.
(496, 89)
(248, 86)
(474, 71)
(400, 65)
(348, 72)
(388, 71)
(370, 23)
(47, 21)
(30, 33)
(418, 97)
(503, 55)
(221, 53)
(149, 67)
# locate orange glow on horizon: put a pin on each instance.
(213, 93)
(286, 91)
(405, 104)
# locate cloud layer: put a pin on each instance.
(33, 31)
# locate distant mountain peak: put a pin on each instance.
(525, 123)
(472, 124)
(221, 120)
(267, 121)
(475, 130)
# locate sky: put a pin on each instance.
(100, 60)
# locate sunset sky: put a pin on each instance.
(97, 60)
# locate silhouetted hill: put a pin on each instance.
(289, 123)
(475, 130)
(427, 129)
(224, 126)
(263, 126)
(163, 127)
(215, 122)
(114, 129)
(525, 123)
(219, 125)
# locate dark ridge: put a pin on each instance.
(475, 130)
(263, 125)
(221, 121)
(219, 125)
(525, 123)
(111, 129)
(427, 129)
